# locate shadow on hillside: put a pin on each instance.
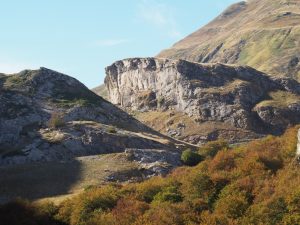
(38, 180)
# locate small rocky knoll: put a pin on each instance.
(48, 116)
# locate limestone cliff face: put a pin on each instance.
(237, 95)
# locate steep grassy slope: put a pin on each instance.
(263, 34)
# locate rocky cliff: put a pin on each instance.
(263, 34)
(49, 116)
(238, 97)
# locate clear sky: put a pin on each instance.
(82, 37)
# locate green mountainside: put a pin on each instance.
(263, 34)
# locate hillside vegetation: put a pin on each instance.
(255, 183)
(263, 34)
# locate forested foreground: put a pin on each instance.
(256, 183)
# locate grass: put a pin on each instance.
(162, 120)
(14, 80)
(69, 96)
(54, 137)
(59, 180)
(266, 42)
(56, 120)
(227, 88)
(67, 103)
(280, 99)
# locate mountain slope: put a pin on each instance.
(255, 183)
(202, 102)
(101, 91)
(49, 116)
(263, 34)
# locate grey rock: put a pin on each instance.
(209, 92)
(155, 161)
(91, 125)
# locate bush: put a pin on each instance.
(56, 120)
(198, 185)
(146, 190)
(236, 186)
(211, 148)
(232, 203)
(26, 213)
(168, 194)
(224, 160)
(128, 210)
(190, 158)
(92, 201)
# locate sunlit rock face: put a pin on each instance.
(239, 96)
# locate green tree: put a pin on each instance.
(190, 158)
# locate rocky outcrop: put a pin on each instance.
(76, 138)
(234, 95)
(49, 116)
(155, 161)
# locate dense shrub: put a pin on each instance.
(190, 158)
(22, 212)
(146, 190)
(212, 148)
(84, 206)
(224, 160)
(162, 214)
(232, 204)
(128, 210)
(256, 183)
(168, 194)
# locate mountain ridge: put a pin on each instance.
(262, 34)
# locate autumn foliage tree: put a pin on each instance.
(254, 183)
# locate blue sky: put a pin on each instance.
(80, 38)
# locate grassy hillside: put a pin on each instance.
(280, 99)
(263, 34)
(255, 183)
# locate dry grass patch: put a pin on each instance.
(280, 99)
(228, 87)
